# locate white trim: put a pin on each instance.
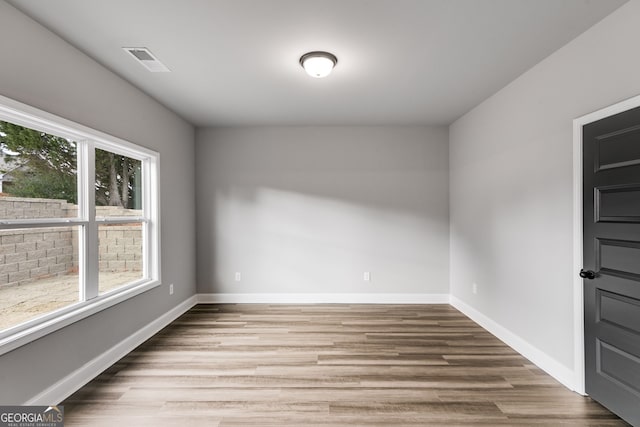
(282, 298)
(151, 207)
(119, 219)
(578, 297)
(538, 357)
(55, 320)
(90, 245)
(9, 224)
(578, 303)
(74, 381)
(26, 115)
(87, 141)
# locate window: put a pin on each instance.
(79, 227)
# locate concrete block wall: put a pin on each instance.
(23, 208)
(120, 247)
(27, 255)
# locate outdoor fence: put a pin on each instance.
(27, 255)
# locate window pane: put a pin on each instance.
(38, 272)
(38, 174)
(118, 185)
(120, 255)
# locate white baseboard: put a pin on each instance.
(282, 298)
(538, 357)
(74, 381)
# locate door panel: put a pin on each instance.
(618, 257)
(617, 203)
(617, 149)
(619, 367)
(611, 181)
(619, 311)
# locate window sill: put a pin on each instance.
(68, 315)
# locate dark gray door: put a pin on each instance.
(611, 272)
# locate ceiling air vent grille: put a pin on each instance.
(147, 59)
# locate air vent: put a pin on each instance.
(147, 59)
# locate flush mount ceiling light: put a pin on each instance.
(318, 64)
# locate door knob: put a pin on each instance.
(587, 274)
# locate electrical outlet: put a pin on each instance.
(171, 289)
(474, 288)
(367, 276)
(238, 276)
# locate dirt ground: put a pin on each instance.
(19, 303)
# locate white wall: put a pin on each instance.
(511, 184)
(40, 69)
(309, 209)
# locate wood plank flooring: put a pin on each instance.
(327, 365)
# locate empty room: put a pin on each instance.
(319, 213)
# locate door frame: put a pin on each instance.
(578, 295)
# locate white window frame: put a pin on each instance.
(90, 301)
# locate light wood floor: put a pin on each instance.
(327, 365)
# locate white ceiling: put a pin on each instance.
(235, 62)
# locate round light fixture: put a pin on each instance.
(318, 64)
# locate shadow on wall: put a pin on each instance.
(309, 210)
(295, 242)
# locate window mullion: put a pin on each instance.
(89, 243)
(151, 247)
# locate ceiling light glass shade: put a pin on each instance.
(318, 64)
